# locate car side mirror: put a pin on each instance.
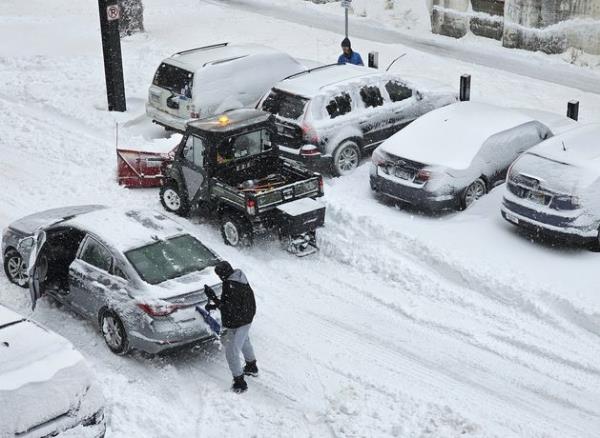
(25, 243)
(418, 95)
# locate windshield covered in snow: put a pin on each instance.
(174, 79)
(172, 258)
(284, 104)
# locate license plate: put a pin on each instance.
(538, 198)
(511, 218)
(404, 174)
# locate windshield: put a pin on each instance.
(172, 258)
(284, 104)
(174, 79)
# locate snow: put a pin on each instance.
(404, 325)
(452, 135)
(300, 206)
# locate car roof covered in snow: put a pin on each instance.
(452, 135)
(577, 147)
(196, 59)
(230, 120)
(29, 224)
(125, 229)
(312, 82)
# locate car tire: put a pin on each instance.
(472, 193)
(346, 158)
(113, 332)
(174, 200)
(16, 268)
(236, 231)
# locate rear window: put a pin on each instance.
(243, 145)
(286, 105)
(174, 79)
(339, 105)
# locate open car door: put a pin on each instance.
(37, 268)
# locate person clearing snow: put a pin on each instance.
(349, 56)
(238, 307)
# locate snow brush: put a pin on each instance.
(209, 320)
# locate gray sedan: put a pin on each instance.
(137, 274)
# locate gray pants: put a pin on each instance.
(236, 341)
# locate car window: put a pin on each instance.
(339, 105)
(96, 255)
(117, 271)
(284, 104)
(174, 79)
(244, 145)
(371, 96)
(397, 91)
(193, 151)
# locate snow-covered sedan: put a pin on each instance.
(554, 188)
(452, 156)
(46, 387)
(137, 274)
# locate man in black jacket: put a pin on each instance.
(237, 306)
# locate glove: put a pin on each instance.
(210, 293)
(210, 307)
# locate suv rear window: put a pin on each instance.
(174, 79)
(397, 91)
(339, 105)
(371, 96)
(283, 104)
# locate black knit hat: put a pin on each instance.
(223, 269)
(346, 43)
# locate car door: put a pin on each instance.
(374, 119)
(404, 105)
(90, 278)
(193, 157)
(37, 267)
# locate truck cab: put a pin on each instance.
(227, 166)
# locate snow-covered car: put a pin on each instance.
(554, 188)
(137, 274)
(46, 386)
(202, 82)
(452, 156)
(329, 116)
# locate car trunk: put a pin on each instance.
(42, 379)
(402, 168)
(288, 110)
(171, 91)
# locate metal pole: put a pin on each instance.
(573, 110)
(465, 88)
(346, 15)
(111, 47)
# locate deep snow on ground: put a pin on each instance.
(403, 325)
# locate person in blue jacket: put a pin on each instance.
(349, 56)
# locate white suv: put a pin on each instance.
(46, 387)
(330, 115)
(201, 82)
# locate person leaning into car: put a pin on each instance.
(238, 307)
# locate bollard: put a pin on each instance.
(465, 88)
(573, 110)
(374, 59)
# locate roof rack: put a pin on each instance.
(310, 70)
(223, 61)
(213, 46)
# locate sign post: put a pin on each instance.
(110, 15)
(346, 4)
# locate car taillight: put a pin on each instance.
(321, 185)
(422, 176)
(158, 309)
(309, 150)
(195, 115)
(251, 206)
(309, 134)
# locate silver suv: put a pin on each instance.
(329, 116)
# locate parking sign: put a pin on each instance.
(346, 4)
(113, 12)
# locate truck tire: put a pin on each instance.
(346, 158)
(236, 231)
(174, 200)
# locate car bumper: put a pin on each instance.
(412, 195)
(553, 226)
(319, 163)
(69, 427)
(165, 119)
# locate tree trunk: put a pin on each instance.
(132, 17)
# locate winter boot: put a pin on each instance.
(251, 369)
(239, 384)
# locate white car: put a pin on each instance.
(202, 82)
(46, 387)
(452, 156)
(554, 189)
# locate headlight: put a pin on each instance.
(379, 157)
(565, 202)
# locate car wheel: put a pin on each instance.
(16, 268)
(346, 158)
(174, 200)
(472, 193)
(113, 332)
(236, 231)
